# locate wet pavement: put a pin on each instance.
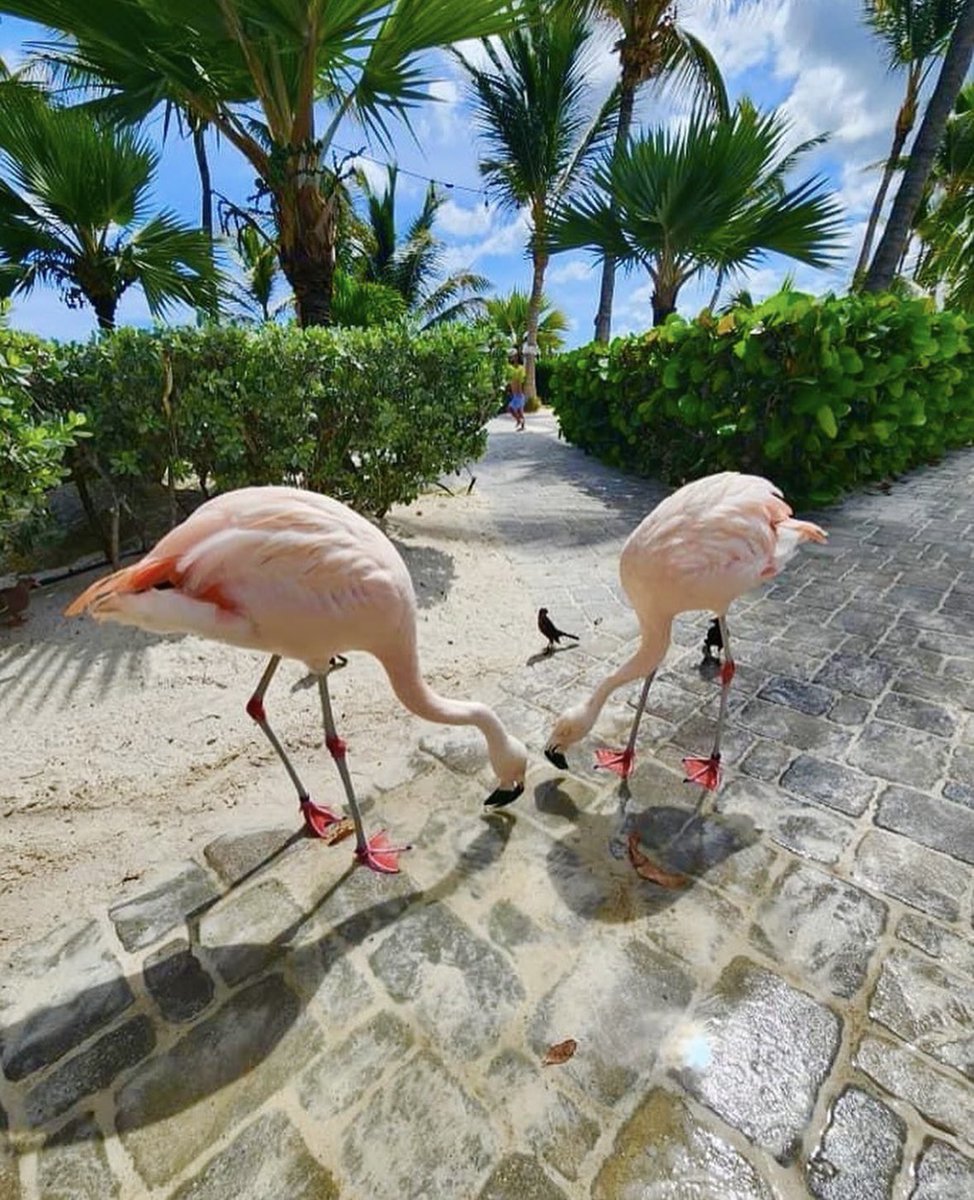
(797, 1020)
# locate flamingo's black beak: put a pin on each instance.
(556, 758)
(501, 796)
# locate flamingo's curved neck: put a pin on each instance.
(407, 682)
(648, 656)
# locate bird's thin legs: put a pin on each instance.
(375, 853)
(706, 771)
(316, 817)
(621, 761)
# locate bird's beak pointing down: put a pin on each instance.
(556, 758)
(501, 796)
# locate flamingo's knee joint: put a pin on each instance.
(337, 746)
(255, 709)
(727, 671)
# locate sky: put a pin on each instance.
(814, 61)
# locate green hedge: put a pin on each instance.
(370, 416)
(819, 395)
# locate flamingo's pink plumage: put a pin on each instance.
(297, 575)
(700, 548)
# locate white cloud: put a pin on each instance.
(458, 221)
(573, 271)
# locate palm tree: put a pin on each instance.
(652, 46)
(509, 316)
(412, 266)
(916, 34)
(707, 196)
(259, 73)
(74, 212)
(896, 235)
(531, 106)
(946, 221)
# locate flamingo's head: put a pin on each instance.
(573, 724)
(509, 758)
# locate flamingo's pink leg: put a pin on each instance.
(317, 818)
(374, 853)
(621, 761)
(706, 771)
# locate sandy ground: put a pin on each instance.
(123, 753)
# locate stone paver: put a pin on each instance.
(794, 1019)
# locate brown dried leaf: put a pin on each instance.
(652, 872)
(559, 1053)
(338, 832)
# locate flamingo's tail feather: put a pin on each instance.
(141, 576)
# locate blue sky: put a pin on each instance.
(813, 59)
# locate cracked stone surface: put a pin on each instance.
(786, 1012)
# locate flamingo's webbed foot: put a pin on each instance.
(619, 761)
(379, 856)
(501, 796)
(705, 771)
(317, 818)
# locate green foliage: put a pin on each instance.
(370, 416)
(819, 395)
(32, 443)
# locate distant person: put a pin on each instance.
(516, 375)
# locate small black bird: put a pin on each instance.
(713, 641)
(551, 631)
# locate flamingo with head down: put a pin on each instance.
(700, 548)
(297, 575)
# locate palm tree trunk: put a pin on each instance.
(534, 312)
(897, 232)
(603, 318)
(104, 307)
(306, 222)
(206, 187)
(904, 125)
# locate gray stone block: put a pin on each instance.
(943, 1173)
(806, 829)
(927, 1007)
(520, 1177)
(664, 1150)
(178, 1102)
(807, 698)
(145, 918)
(855, 673)
(249, 929)
(541, 1116)
(766, 760)
(403, 1144)
(619, 1003)
(899, 754)
(941, 1100)
(829, 783)
(233, 855)
(762, 1050)
(918, 714)
(917, 876)
(56, 993)
(860, 1152)
(344, 1074)
(821, 927)
(954, 952)
(461, 988)
(73, 1165)
(268, 1161)
(849, 710)
(91, 1070)
(939, 824)
(793, 728)
(177, 982)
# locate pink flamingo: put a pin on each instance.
(700, 548)
(297, 575)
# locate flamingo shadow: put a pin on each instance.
(589, 864)
(271, 983)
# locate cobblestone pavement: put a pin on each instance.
(799, 1021)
